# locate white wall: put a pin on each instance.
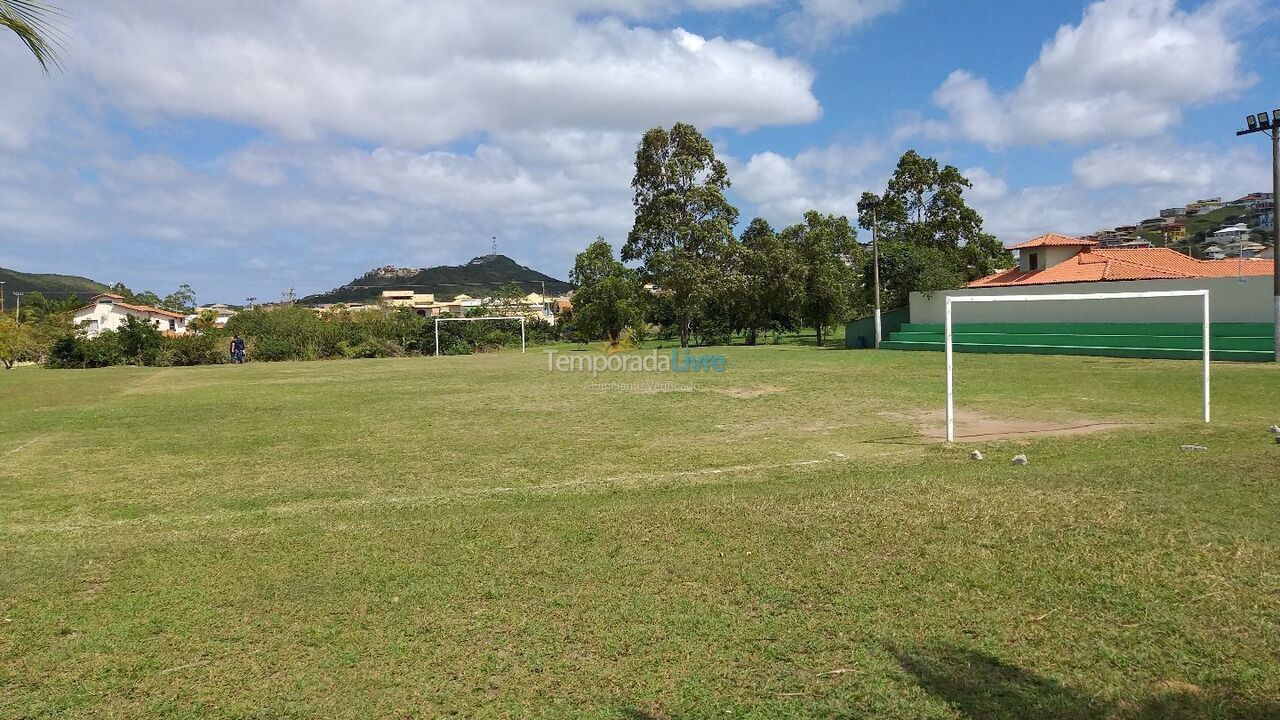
(108, 316)
(1050, 255)
(1229, 301)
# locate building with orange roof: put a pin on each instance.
(107, 311)
(1240, 289)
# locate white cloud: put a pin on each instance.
(817, 22)
(828, 179)
(1124, 72)
(985, 185)
(418, 74)
(1165, 164)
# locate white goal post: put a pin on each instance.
(951, 415)
(521, 318)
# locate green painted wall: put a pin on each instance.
(890, 322)
(1228, 341)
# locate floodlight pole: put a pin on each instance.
(1275, 233)
(1271, 126)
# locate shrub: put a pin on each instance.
(207, 348)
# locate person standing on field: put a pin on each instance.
(237, 349)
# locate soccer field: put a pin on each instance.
(484, 537)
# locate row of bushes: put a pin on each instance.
(294, 333)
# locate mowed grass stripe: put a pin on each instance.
(272, 543)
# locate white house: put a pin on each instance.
(224, 313)
(1233, 241)
(108, 312)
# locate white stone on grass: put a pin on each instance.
(1020, 460)
(1193, 448)
(976, 455)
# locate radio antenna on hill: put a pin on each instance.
(494, 238)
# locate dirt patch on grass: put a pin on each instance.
(752, 392)
(972, 425)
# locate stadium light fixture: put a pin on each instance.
(1262, 123)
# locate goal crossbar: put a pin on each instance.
(520, 318)
(951, 300)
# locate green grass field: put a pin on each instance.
(480, 537)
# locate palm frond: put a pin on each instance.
(36, 25)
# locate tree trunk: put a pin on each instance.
(819, 336)
(752, 334)
(685, 322)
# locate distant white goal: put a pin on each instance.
(520, 318)
(951, 300)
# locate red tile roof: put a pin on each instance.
(1097, 264)
(1054, 240)
(118, 301)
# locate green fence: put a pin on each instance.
(1228, 341)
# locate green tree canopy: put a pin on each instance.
(828, 253)
(930, 239)
(765, 282)
(608, 298)
(683, 222)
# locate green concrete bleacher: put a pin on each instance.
(1228, 341)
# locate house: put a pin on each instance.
(1239, 294)
(1235, 241)
(423, 303)
(107, 311)
(222, 311)
(1053, 259)
(1177, 212)
(1204, 206)
(1173, 231)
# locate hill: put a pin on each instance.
(54, 287)
(477, 278)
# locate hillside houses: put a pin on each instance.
(532, 305)
(1220, 229)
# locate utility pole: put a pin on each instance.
(872, 202)
(1271, 126)
(875, 261)
(17, 313)
(1, 297)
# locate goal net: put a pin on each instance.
(966, 299)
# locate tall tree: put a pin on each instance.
(35, 25)
(608, 297)
(181, 300)
(767, 279)
(683, 222)
(828, 253)
(930, 239)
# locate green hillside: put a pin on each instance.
(477, 278)
(51, 286)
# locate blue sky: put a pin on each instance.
(247, 149)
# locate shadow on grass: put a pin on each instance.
(979, 685)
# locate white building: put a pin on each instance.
(1233, 241)
(108, 312)
(223, 312)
